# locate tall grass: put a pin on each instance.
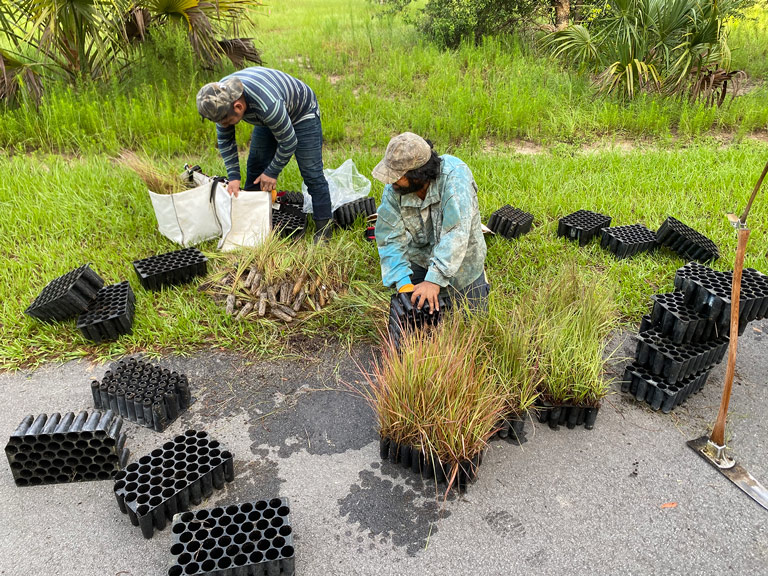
(373, 76)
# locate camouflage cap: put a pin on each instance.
(214, 100)
(404, 152)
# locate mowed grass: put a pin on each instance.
(92, 210)
(65, 201)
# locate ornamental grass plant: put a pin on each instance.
(439, 394)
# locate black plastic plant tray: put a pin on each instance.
(567, 415)
(346, 214)
(110, 315)
(657, 392)
(429, 466)
(686, 241)
(582, 225)
(626, 241)
(674, 362)
(288, 197)
(66, 296)
(709, 293)
(169, 479)
(142, 392)
(403, 316)
(249, 539)
(289, 220)
(513, 429)
(171, 269)
(510, 222)
(55, 449)
(674, 319)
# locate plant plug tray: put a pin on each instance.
(55, 449)
(169, 479)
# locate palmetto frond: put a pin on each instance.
(18, 78)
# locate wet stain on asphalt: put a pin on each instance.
(388, 509)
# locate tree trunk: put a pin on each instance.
(562, 13)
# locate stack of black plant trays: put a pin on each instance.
(582, 225)
(66, 296)
(510, 222)
(142, 392)
(627, 241)
(170, 269)
(169, 479)
(249, 539)
(686, 242)
(405, 317)
(686, 334)
(346, 214)
(110, 314)
(428, 465)
(55, 449)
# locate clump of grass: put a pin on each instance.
(156, 180)
(438, 394)
(511, 347)
(573, 317)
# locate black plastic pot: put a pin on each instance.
(170, 269)
(66, 296)
(582, 225)
(510, 222)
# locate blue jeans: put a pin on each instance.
(309, 157)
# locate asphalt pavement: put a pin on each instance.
(628, 497)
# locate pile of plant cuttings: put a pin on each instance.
(281, 280)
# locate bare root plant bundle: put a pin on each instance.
(280, 280)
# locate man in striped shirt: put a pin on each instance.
(286, 119)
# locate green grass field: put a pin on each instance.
(65, 201)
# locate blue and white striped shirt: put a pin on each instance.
(276, 100)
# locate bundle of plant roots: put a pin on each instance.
(437, 395)
(280, 279)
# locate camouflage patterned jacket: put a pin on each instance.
(442, 233)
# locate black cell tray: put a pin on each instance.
(510, 222)
(66, 296)
(567, 415)
(170, 269)
(686, 241)
(346, 214)
(169, 479)
(675, 362)
(626, 241)
(55, 449)
(656, 391)
(513, 429)
(403, 316)
(110, 315)
(428, 465)
(253, 538)
(142, 392)
(582, 225)
(287, 197)
(289, 220)
(709, 293)
(674, 319)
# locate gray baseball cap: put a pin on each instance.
(404, 152)
(214, 100)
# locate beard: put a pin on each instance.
(413, 186)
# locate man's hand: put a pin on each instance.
(233, 188)
(426, 292)
(265, 183)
